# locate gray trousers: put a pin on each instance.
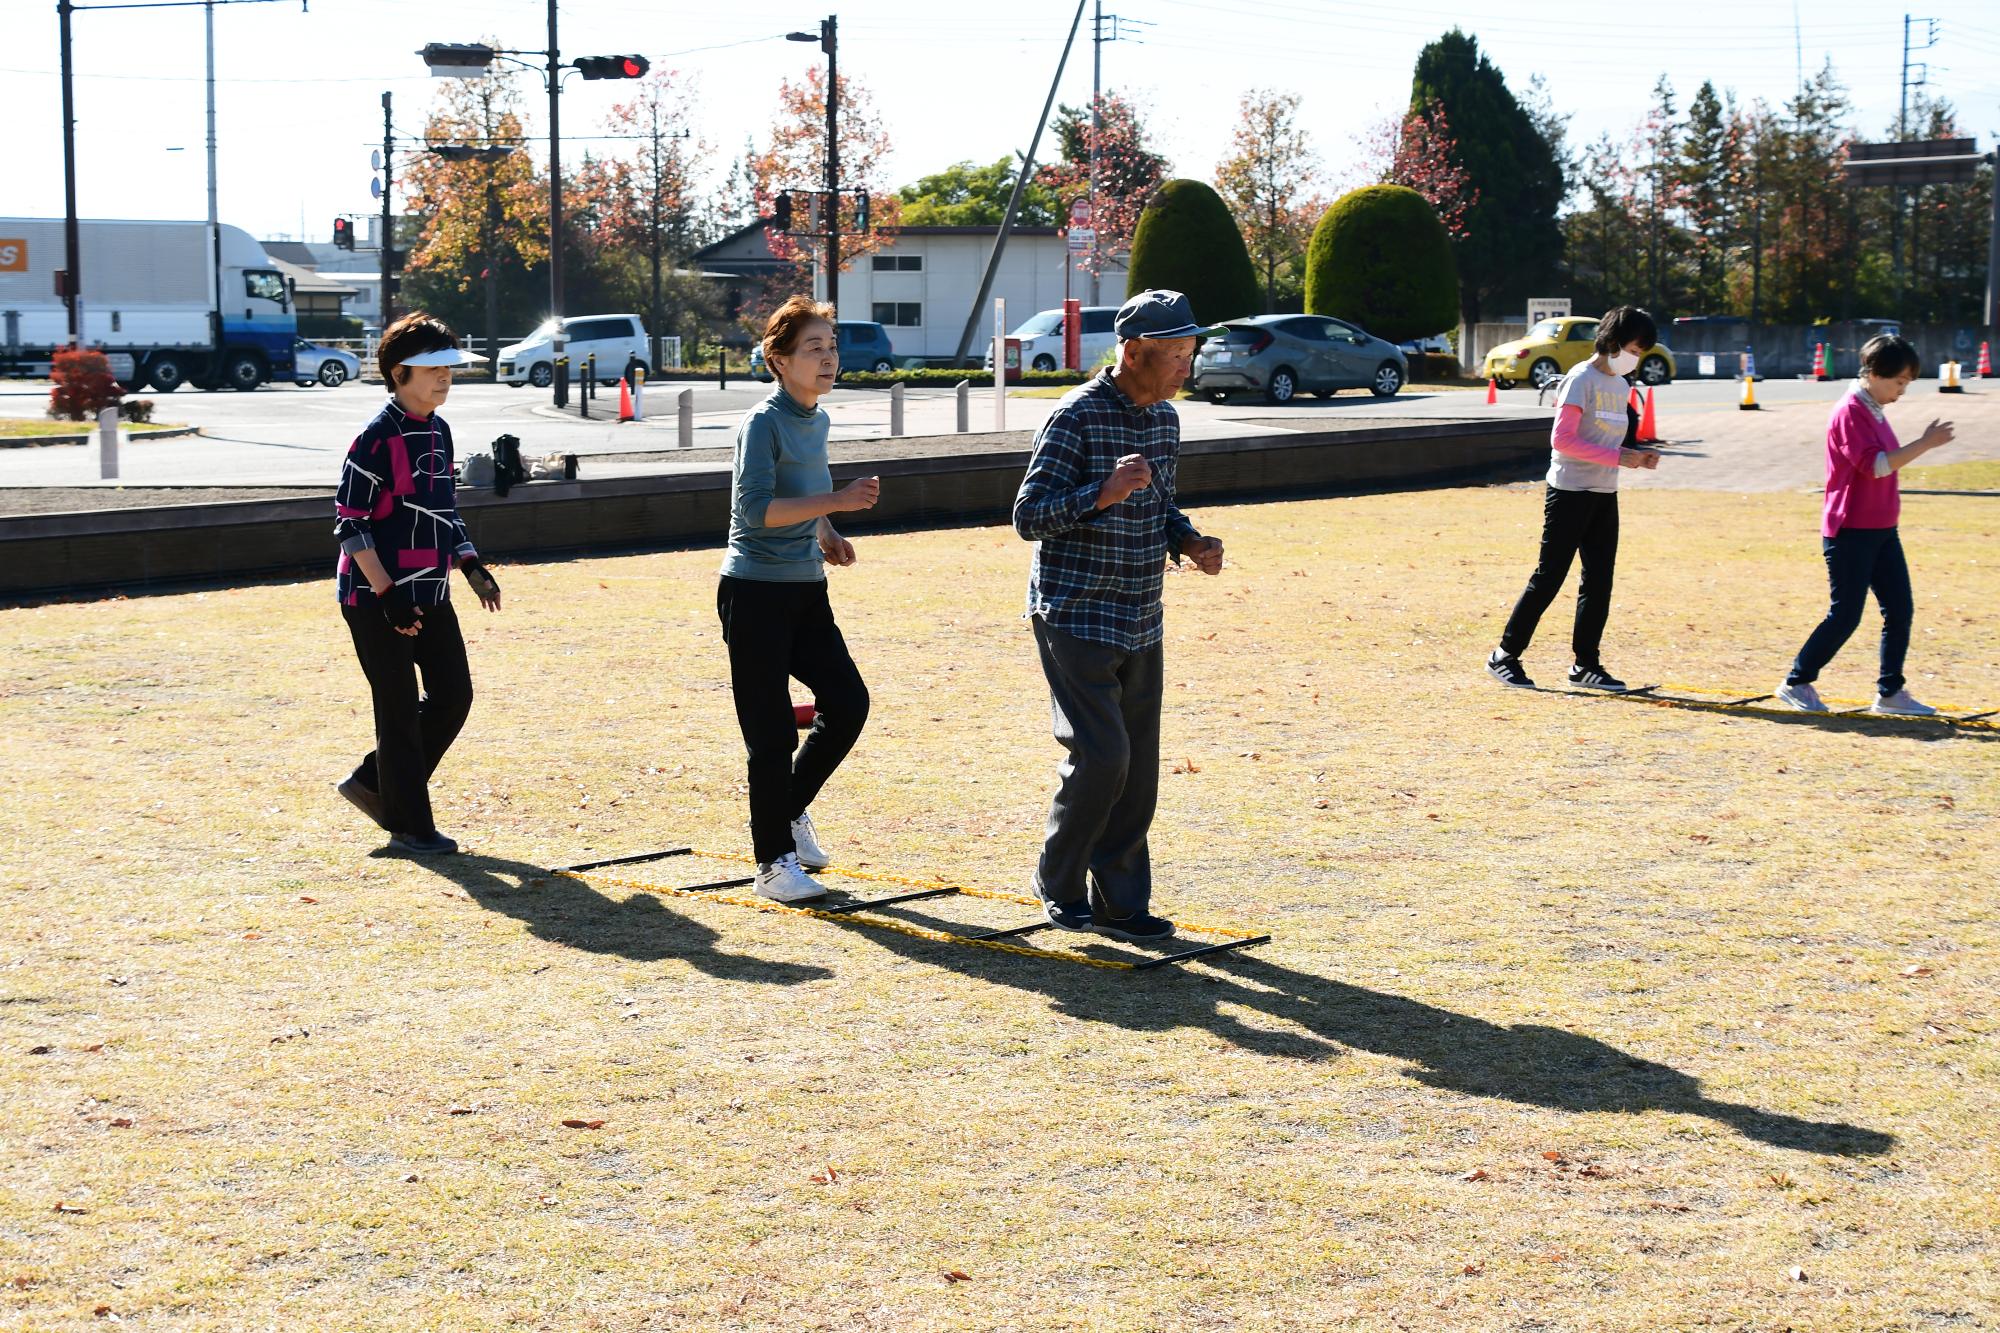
(1106, 708)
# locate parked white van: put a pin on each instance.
(1041, 337)
(617, 341)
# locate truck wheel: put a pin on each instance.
(243, 372)
(166, 372)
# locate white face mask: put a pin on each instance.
(1624, 363)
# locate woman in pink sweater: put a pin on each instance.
(1858, 530)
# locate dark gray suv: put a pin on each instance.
(1283, 356)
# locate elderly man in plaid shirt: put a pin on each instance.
(1098, 502)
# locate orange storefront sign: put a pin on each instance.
(13, 255)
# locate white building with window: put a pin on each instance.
(920, 285)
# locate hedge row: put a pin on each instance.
(1432, 367)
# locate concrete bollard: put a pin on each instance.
(107, 444)
(896, 408)
(685, 403)
(638, 394)
(964, 406)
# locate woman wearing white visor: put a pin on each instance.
(397, 522)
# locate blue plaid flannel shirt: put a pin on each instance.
(1097, 573)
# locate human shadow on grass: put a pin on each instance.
(570, 912)
(1939, 728)
(1528, 1063)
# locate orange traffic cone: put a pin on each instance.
(1985, 370)
(1493, 390)
(1649, 431)
(624, 400)
(1819, 361)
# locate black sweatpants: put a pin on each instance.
(779, 632)
(412, 730)
(1573, 523)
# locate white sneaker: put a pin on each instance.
(785, 881)
(1900, 704)
(1802, 697)
(807, 841)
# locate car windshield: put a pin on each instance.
(547, 329)
(1548, 328)
(1045, 323)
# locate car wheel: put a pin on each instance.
(1653, 370)
(1045, 362)
(332, 374)
(1388, 380)
(636, 369)
(1325, 393)
(884, 366)
(304, 384)
(1215, 395)
(166, 374)
(1544, 373)
(541, 374)
(242, 372)
(1284, 385)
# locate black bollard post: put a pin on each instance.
(561, 383)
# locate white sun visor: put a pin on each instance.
(444, 356)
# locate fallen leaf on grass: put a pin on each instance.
(1477, 1173)
(119, 981)
(957, 1276)
(94, 1047)
(252, 935)
(304, 899)
(1796, 1274)
(410, 1179)
(547, 1200)
(583, 1124)
(1591, 1171)
(40, 1050)
(104, 1312)
(1552, 1256)
(1473, 1269)
(827, 1177)
(71, 1209)
(121, 1122)
(458, 1110)
(1916, 970)
(22, 1281)
(1555, 1157)
(1186, 766)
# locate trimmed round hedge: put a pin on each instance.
(1381, 259)
(1187, 241)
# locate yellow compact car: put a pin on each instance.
(1548, 351)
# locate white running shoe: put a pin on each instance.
(807, 841)
(785, 881)
(1802, 697)
(1900, 704)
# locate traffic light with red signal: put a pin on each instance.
(343, 234)
(613, 67)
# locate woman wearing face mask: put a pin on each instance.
(776, 619)
(1858, 530)
(1590, 442)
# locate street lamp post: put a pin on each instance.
(828, 38)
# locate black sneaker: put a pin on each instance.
(1506, 669)
(1139, 928)
(1594, 678)
(367, 802)
(422, 844)
(1064, 916)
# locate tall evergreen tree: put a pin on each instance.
(1512, 240)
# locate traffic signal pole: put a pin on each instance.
(73, 251)
(386, 245)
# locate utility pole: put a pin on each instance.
(385, 245)
(1096, 122)
(555, 191)
(829, 41)
(1896, 197)
(214, 214)
(72, 256)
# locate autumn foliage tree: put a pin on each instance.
(794, 158)
(1267, 181)
(1128, 172)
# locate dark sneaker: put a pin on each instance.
(422, 844)
(1594, 678)
(1506, 669)
(367, 802)
(1063, 916)
(1139, 928)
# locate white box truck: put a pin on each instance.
(149, 301)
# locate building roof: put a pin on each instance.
(308, 283)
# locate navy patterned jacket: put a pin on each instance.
(396, 495)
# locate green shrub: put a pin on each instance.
(933, 375)
(1187, 242)
(1381, 259)
(1433, 367)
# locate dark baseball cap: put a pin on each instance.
(1159, 314)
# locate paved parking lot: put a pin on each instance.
(291, 436)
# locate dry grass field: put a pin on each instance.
(1582, 1013)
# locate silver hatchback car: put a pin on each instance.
(1283, 356)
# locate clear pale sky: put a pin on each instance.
(299, 93)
